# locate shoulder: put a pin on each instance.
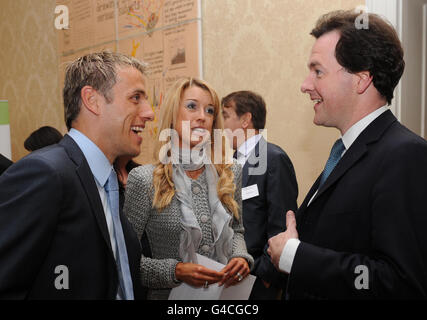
(141, 176)
(274, 150)
(50, 159)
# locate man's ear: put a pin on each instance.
(364, 80)
(90, 98)
(246, 120)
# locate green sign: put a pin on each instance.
(4, 112)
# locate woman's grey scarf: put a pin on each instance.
(190, 160)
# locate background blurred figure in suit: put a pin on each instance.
(266, 194)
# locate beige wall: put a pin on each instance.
(259, 45)
(28, 68)
(264, 46)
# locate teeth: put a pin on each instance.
(199, 130)
(137, 128)
(318, 100)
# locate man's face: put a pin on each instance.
(125, 117)
(234, 123)
(329, 85)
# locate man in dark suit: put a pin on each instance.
(361, 231)
(269, 186)
(4, 163)
(61, 233)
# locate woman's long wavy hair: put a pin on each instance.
(164, 188)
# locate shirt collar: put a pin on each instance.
(351, 135)
(249, 144)
(98, 162)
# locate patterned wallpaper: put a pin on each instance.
(260, 45)
(264, 46)
(28, 64)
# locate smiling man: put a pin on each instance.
(361, 231)
(62, 236)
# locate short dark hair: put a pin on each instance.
(248, 101)
(42, 137)
(376, 49)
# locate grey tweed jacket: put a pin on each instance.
(164, 228)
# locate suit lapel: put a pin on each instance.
(358, 149)
(89, 185)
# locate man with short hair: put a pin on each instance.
(62, 236)
(361, 231)
(269, 186)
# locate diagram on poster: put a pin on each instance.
(163, 33)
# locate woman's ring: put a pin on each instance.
(239, 277)
(206, 285)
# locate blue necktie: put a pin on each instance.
(334, 157)
(112, 188)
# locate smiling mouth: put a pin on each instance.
(199, 131)
(137, 129)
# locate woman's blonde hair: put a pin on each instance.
(164, 188)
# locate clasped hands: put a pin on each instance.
(197, 275)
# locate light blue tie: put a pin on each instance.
(112, 188)
(334, 157)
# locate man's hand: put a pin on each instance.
(278, 242)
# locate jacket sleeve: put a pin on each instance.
(396, 266)
(281, 195)
(155, 273)
(30, 201)
(239, 244)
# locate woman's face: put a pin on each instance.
(195, 117)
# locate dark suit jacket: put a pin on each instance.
(4, 163)
(372, 212)
(264, 216)
(51, 215)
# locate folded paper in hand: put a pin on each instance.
(240, 291)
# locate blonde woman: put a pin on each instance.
(187, 203)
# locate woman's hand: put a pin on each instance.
(197, 275)
(235, 271)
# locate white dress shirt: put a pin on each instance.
(290, 249)
(246, 148)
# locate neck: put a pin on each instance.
(96, 137)
(361, 110)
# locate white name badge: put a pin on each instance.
(250, 192)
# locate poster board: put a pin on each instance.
(166, 34)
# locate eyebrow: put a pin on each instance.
(193, 99)
(314, 64)
(140, 91)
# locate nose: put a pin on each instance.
(201, 114)
(307, 85)
(147, 112)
